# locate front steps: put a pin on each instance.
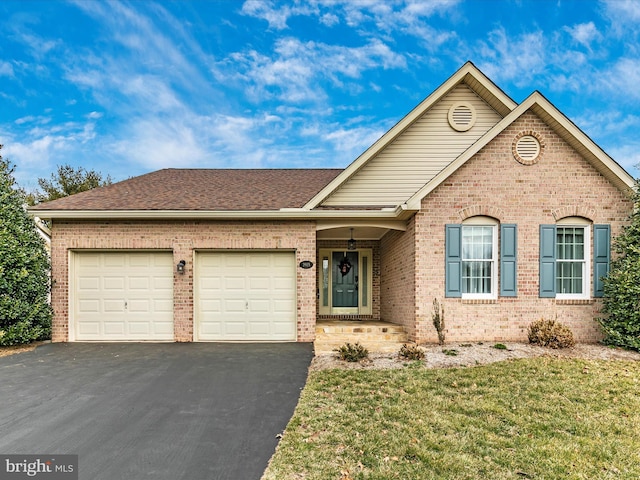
(377, 337)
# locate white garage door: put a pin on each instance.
(246, 296)
(123, 296)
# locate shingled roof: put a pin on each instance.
(202, 190)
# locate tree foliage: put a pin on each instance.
(67, 180)
(621, 323)
(25, 314)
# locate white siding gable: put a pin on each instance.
(416, 156)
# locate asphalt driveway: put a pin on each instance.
(160, 411)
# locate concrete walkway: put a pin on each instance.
(163, 411)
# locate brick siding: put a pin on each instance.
(559, 184)
(183, 238)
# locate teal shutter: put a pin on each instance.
(508, 260)
(453, 261)
(548, 261)
(601, 257)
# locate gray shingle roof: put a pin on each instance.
(204, 190)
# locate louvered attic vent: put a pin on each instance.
(528, 148)
(462, 116)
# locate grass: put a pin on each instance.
(537, 418)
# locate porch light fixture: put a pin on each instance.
(180, 266)
(351, 244)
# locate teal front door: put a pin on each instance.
(345, 280)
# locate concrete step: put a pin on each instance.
(377, 337)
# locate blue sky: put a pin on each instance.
(130, 87)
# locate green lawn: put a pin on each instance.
(536, 418)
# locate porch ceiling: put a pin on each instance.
(360, 232)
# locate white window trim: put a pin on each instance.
(586, 269)
(486, 222)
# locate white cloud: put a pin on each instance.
(624, 16)
(351, 142)
(621, 79)
(585, 34)
(297, 70)
(276, 16)
(513, 58)
(6, 69)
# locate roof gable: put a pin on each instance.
(564, 127)
(468, 75)
(415, 156)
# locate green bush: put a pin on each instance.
(352, 352)
(550, 333)
(412, 352)
(25, 314)
(621, 304)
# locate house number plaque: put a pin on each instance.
(306, 264)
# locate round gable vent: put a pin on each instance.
(462, 116)
(527, 147)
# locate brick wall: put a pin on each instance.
(493, 183)
(398, 279)
(183, 238)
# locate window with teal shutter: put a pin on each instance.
(564, 258)
(601, 257)
(508, 260)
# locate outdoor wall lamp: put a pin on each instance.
(180, 266)
(351, 243)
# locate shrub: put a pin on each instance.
(412, 352)
(621, 308)
(25, 314)
(438, 320)
(550, 333)
(352, 352)
(500, 346)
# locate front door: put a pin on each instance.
(345, 282)
(344, 287)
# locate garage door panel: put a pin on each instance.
(111, 306)
(114, 260)
(114, 327)
(139, 283)
(260, 284)
(260, 306)
(284, 306)
(253, 291)
(123, 296)
(234, 306)
(89, 284)
(163, 306)
(90, 328)
(235, 283)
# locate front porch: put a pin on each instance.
(376, 336)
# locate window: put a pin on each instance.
(472, 255)
(571, 264)
(478, 261)
(566, 259)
